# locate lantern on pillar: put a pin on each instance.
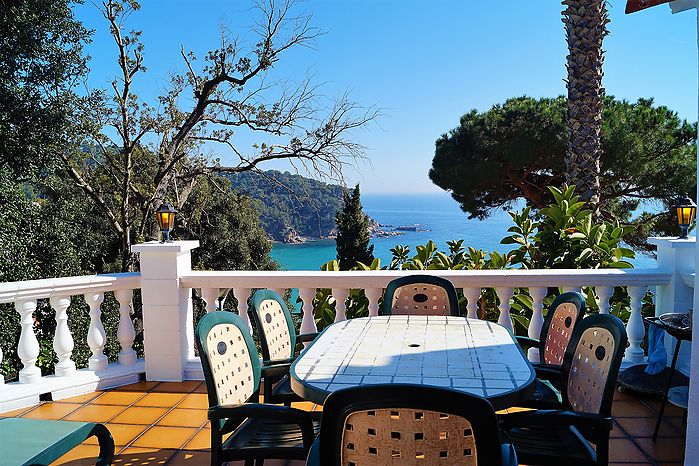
(165, 215)
(685, 209)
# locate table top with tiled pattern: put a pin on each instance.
(469, 355)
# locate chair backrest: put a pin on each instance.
(592, 362)
(228, 357)
(563, 315)
(420, 295)
(274, 325)
(408, 425)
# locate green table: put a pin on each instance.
(40, 442)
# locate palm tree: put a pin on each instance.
(586, 26)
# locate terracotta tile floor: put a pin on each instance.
(165, 424)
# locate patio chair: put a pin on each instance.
(41, 442)
(590, 368)
(566, 311)
(408, 425)
(420, 295)
(278, 340)
(232, 374)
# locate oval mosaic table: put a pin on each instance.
(469, 355)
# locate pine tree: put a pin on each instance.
(352, 240)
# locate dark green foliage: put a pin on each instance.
(353, 237)
(285, 200)
(517, 149)
(227, 227)
(40, 62)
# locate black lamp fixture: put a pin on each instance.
(166, 220)
(685, 210)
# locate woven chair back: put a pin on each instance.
(407, 437)
(592, 364)
(274, 325)
(420, 295)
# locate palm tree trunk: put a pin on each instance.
(586, 26)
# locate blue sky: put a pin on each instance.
(424, 64)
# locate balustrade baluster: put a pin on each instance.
(505, 294)
(63, 340)
(635, 328)
(242, 295)
(340, 295)
(96, 336)
(472, 296)
(537, 320)
(28, 347)
(126, 333)
(604, 293)
(373, 294)
(210, 297)
(308, 323)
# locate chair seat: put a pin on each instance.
(282, 392)
(267, 438)
(551, 446)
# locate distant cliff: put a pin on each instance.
(291, 206)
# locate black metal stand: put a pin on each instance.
(667, 389)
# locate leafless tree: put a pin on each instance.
(146, 153)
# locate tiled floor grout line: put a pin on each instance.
(129, 444)
(638, 447)
(203, 427)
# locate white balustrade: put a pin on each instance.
(308, 324)
(373, 294)
(126, 333)
(63, 340)
(472, 295)
(96, 336)
(604, 294)
(340, 295)
(28, 348)
(635, 328)
(242, 295)
(537, 321)
(210, 297)
(505, 294)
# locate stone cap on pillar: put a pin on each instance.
(672, 242)
(158, 247)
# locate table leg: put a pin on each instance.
(667, 389)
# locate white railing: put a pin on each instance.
(67, 380)
(636, 281)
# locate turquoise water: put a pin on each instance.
(438, 213)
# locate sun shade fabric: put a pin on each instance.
(633, 6)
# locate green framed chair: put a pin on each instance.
(278, 340)
(420, 295)
(588, 376)
(232, 373)
(407, 425)
(41, 442)
(563, 315)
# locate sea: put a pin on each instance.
(437, 215)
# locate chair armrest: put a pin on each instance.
(274, 371)
(555, 418)
(272, 362)
(549, 372)
(526, 341)
(307, 337)
(237, 413)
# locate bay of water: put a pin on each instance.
(438, 213)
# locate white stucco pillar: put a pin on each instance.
(167, 308)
